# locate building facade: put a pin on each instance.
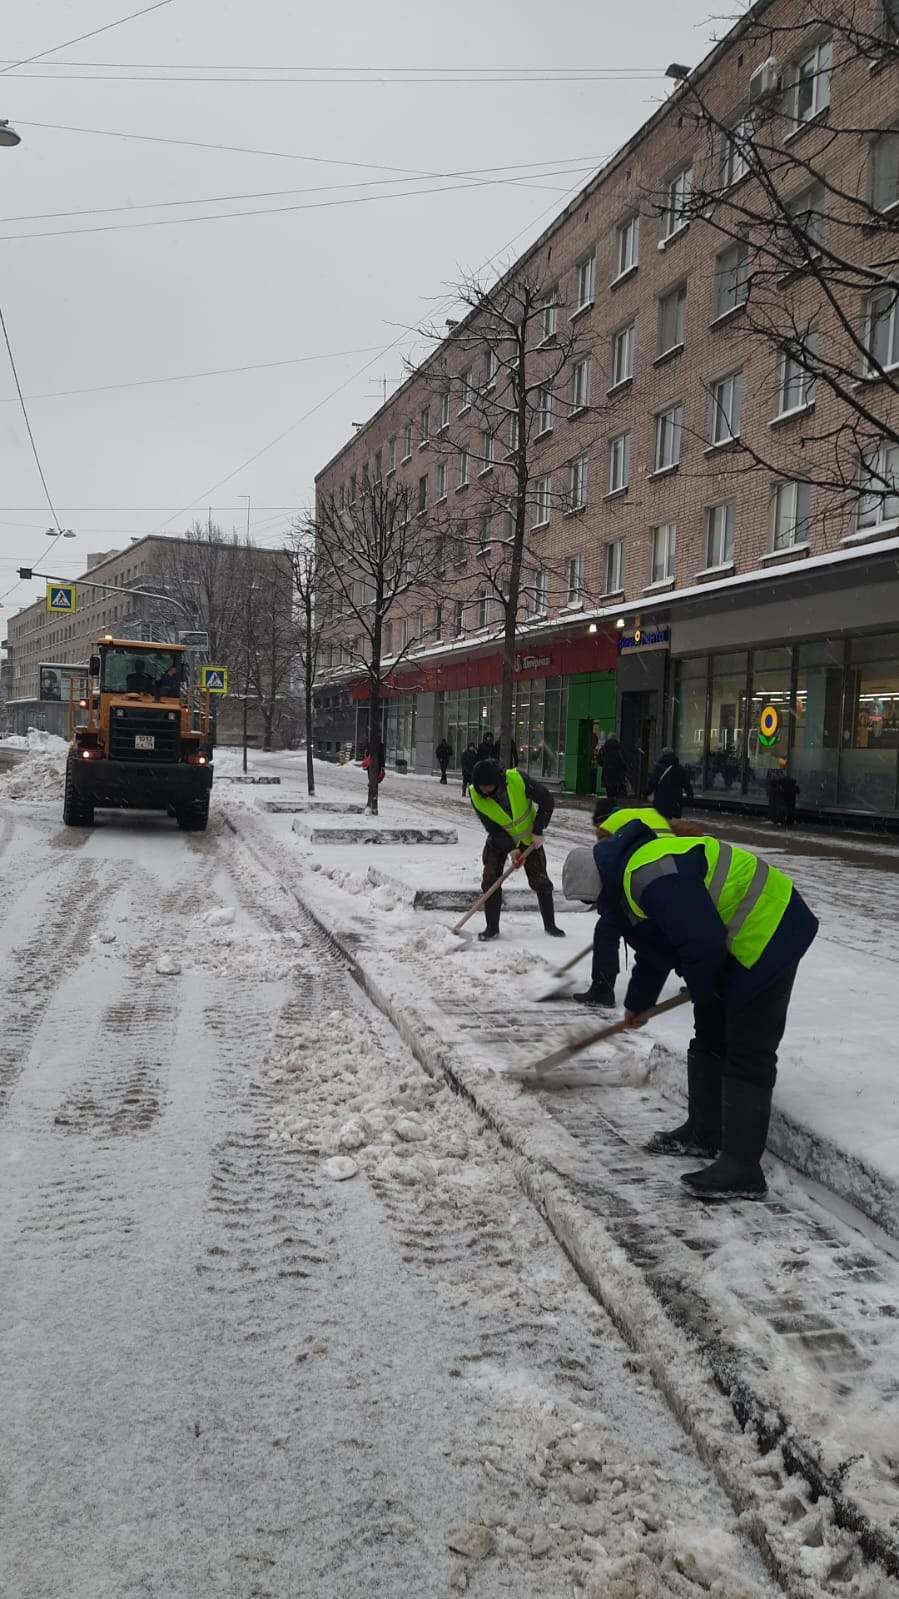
(712, 473)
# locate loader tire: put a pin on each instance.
(192, 818)
(76, 812)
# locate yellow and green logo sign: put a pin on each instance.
(769, 722)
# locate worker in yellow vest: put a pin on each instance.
(515, 809)
(735, 929)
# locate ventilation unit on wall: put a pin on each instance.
(764, 82)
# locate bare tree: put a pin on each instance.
(269, 633)
(304, 559)
(371, 554)
(495, 388)
(199, 571)
(800, 189)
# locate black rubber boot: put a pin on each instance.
(488, 933)
(547, 911)
(492, 911)
(737, 1173)
(599, 993)
(700, 1134)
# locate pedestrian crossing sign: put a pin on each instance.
(61, 598)
(214, 679)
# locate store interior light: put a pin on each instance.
(620, 622)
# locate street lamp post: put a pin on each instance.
(8, 135)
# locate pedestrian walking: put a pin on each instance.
(515, 810)
(444, 753)
(668, 784)
(468, 763)
(735, 930)
(615, 776)
(488, 749)
(782, 792)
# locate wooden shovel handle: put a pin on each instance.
(576, 1045)
(492, 889)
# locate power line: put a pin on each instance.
(218, 66)
(82, 36)
(185, 377)
(37, 459)
(378, 82)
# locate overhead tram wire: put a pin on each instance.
(107, 26)
(31, 439)
(185, 377)
(307, 82)
(306, 66)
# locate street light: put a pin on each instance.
(57, 533)
(8, 135)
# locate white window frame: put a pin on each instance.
(623, 354)
(407, 442)
(720, 534)
(796, 385)
(577, 483)
(677, 298)
(888, 316)
(662, 551)
(585, 281)
(627, 245)
(789, 514)
(352, 488)
(731, 279)
(459, 619)
(725, 405)
(885, 170)
(466, 394)
(678, 193)
(491, 367)
(488, 447)
(482, 611)
(445, 403)
(420, 627)
(391, 454)
(549, 315)
(442, 481)
(878, 506)
(619, 462)
(542, 499)
(541, 592)
(438, 622)
(575, 585)
(425, 427)
(464, 459)
(807, 209)
(735, 162)
(613, 567)
(546, 406)
(513, 433)
(581, 375)
(422, 503)
(811, 91)
(668, 437)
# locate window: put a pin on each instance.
(668, 432)
(460, 548)
(720, 523)
(672, 319)
(806, 224)
(466, 384)
(619, 462)
(407, 441)
(491, 367)
(585, 292)
(789, 515)
(420, 627)
(388, 640)
(404, 633)
(464, 466)
(444, 409)
(422, 494)
(542, 491)
(459, 620)
(890, 24)
(883, 330)
(575, 589)
(513, 433)
(661, 566)
(425, 425)
(813, 83)
(797, 383)
(377, 466)
(580, 384)
(438, 623)
(627, 235)
(442, 474)
(545, 407)
(352, 488)
(440, 558)
(391, 455)
(488, 449)
(678, 193)
(737, 149)
(623, 355)
(731, 279)
(549, 316)
(482, 610)
(885, 166)
(577, 483)
(613, 567)
(879, 488)
(541, 592)
(724, 408)
(484, 534)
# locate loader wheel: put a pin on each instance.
(76, 812)
(192, 818)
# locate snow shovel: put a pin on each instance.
(574, 1046)
(491, 890)
(562, 991)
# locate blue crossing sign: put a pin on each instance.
(214, 679)
(61, 598)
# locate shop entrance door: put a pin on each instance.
(587, 746)
(639, 715)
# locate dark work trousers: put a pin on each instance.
(746, 1040)
(443, 766)
(495, 860)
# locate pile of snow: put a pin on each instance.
(37, 741)
(40, 775)
(383, 896)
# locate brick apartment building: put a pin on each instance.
(714, 478)
(40, 645)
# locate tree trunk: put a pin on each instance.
(245, 698)
(375, 750)
(310, 762)
(268, 716)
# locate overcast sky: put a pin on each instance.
(92, 300)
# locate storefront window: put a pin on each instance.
(815, 748)
(539, 709)
(772, 672)
(727, 725)
(690, 711)
(870, 732)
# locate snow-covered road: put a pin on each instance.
(223, 1372)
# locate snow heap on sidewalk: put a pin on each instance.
(40, 774)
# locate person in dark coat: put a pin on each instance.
(735, 930)
(782, 792)
(488, 749)
(668, 784)
(615, 776)
(515, 810)
(444, 753)
(468, 763)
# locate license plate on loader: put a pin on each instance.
(144, 741)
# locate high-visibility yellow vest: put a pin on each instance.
(749, 896)
(636, 813)
(519, 821)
